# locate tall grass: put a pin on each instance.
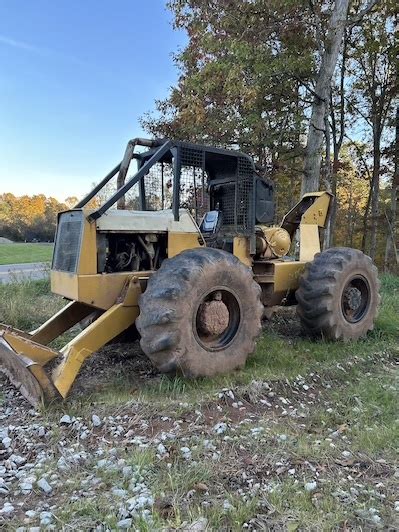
(26, 304)
(388, 319)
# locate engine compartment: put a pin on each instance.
(127, 252)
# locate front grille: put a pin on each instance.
(67, 242)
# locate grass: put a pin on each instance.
(281, 353)
(279, 357)
(351, 407)
(370, 404)
(26, 304)
(22, 253)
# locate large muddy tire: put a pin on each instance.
(338, 294)
(200, 314)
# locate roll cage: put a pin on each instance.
(200, 178)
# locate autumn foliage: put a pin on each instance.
(27, 218)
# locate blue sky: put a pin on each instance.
(75, 76)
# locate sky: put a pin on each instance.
(75, 77)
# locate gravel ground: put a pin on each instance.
(278, 455)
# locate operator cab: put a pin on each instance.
(220, 189)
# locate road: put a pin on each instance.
(35, 270)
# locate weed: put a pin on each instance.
(26, 304)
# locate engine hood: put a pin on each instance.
(146, 222)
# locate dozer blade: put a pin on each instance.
(27, 375)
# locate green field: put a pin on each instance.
(25, 253)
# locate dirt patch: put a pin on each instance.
(285, 323)
(126, 360)
(117, 362)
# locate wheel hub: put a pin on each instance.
(217, 319)
(352, 298)
(213, 317)
(355, 299)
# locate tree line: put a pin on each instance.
(30, 218)
(309, 89)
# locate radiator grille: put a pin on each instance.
(68, 240)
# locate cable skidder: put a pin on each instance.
(193, 262)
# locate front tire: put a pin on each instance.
(200, 314)
(338, 294)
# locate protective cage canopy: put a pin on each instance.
(175, 174)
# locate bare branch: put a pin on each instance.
(342, 92)
(360, 155)
(359, 112)
(358, 18)
(312, 92)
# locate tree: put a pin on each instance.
(321, 95)
(260, 77)
(335, 139)
(352, 186)
(71, 201)
(28, 217)
(392, 248)
(243, 78)
(374, 85)
(328, 50)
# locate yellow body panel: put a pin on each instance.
(99, 290)
(37, 352)
(314, 217)
(318, 212)
(65, 284)
(309, 242)
(88, 251)
(178, 242)
(241, 250)
(287, 274)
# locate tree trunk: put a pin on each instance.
(338, 138)
(366, 221)
(391, 250)
(327, 178)
(349, 238)
(335, 32)
(375, 184)
(374, 211)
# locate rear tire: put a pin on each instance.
(200, 314)
(338, 294)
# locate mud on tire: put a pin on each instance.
(338, 294)
(200, 314)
